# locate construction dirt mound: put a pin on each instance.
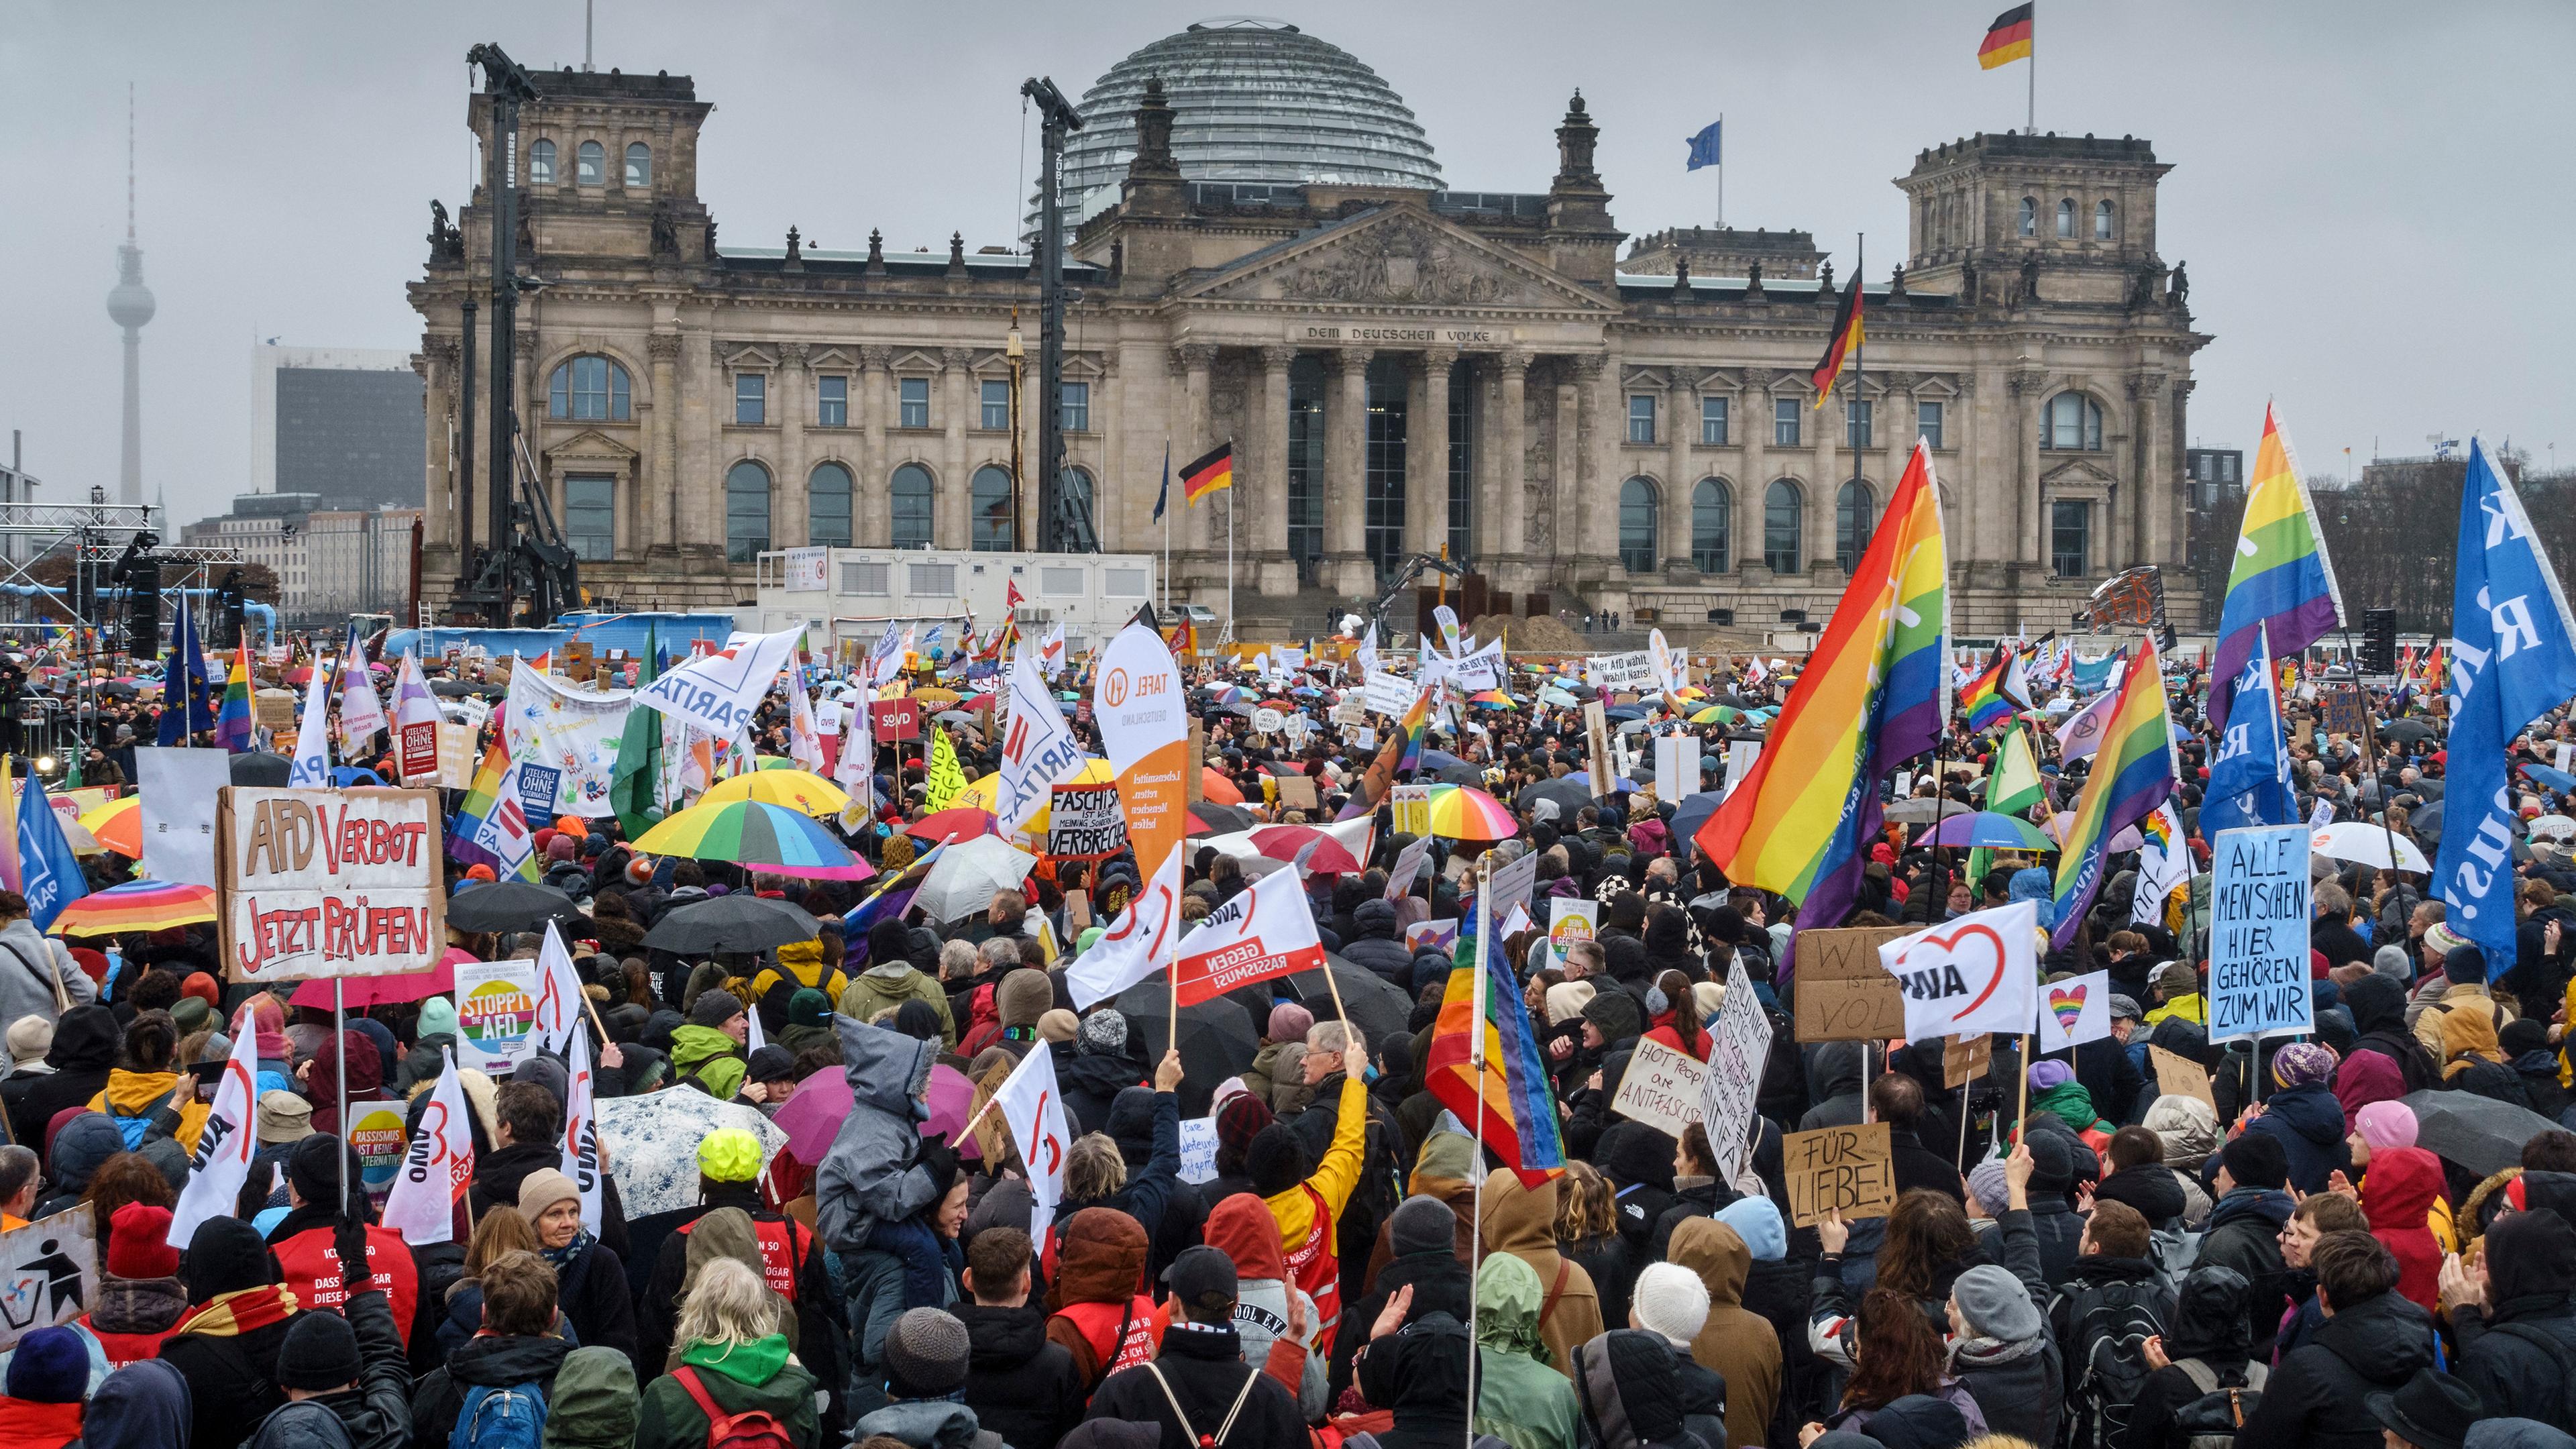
(1542, 633)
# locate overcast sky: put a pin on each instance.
(2371, 196)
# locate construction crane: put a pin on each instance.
(1412, 569)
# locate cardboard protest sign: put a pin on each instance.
(496, 1013)
(2179, 1076)
(2258, 933)
(1084, 822)
(329, 882)
(1198, 1149)
(1297, 792)
(1410, 810)
(1388, 694)
(1842, 993)
(1847, 1169)
(1662, 1088)
(456, 756)
(1739, 1045)
(1966, 1058)
(48, 1273)
(1979, 972)
(1596, 748)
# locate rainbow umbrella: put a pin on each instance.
(753, 833)
(1717, 714)
(118, 824)
(1463, 812)
(1491, 699)
(137, 905)
(799, 790)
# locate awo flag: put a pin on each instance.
(2075, 1011)
(438, 1166)
(226, 1144)
(718, 693)
(1136, 944)
(1033, 1106)
(581, 1132)
(1978, 973)
(1262, 933)
(559, 1006)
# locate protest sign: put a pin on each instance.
(1410, 807)
(1966, 1058)
(1848, 1169)
(2179, 1076)
(573, 732)
(179, 788)
(1571, 919)
(1979, 972)
(895, 719)
(1662, 1087)
(376, 1133)
(2346, 715)
(48, 1273)
(1388, 694)
(1408, 865)
(1198, 1149)
(1267, 721)
(1297, 792)
(1740, 755)
(537, 786)
(2072, 1013)
(1620, 671)
(1739, 1046)
(1596, 749)
(1676, 767)
(329, 882)
(2258, 933)
(1350, 711)
(1440, 936)
(456, 756)
(496, 1013)
(1084, 822)
(1842, 993)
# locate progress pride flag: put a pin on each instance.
(1263, 932)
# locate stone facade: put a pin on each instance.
(1397, 369)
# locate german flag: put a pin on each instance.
(1209, 474)
(1840, 346)
(2007, 40)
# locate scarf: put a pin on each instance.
(1981, 1353)
(570, 1253)
(244, 1310)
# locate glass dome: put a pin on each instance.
(1252, 100)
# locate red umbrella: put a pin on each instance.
(966, 822)
(363, 992)
(981, 701)
(1306, 847)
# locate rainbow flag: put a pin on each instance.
(1402, 754)
(2133, 773)
(232, 721)
(2282, 582)
(1875, 693)
(478, 802)
(1520, 1112)
(1984, 699)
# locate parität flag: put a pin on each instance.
(2007, 40)
(1840, 346)
(1210, 473)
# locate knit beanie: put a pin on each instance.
(2176, 978)
(714, 1009)
(2385, 1124)
(2047, 1074)
(30, 1038)
(542, 1189)
(1289, 1022)
(2465, 966)
(1986, 1184)
(319, 1166)
(1103, 1034)
(138, 1244)
(2523, 1034)
(437, 1018)
(320, 1352)
(2301, 1063)
(1671, 1300)
(1023, 997)
(51, 1366)
(2256, 1160)
(1995, 1305)
(2390, 961)
(926, 1354)
(1239, 1120)
(1058, 1025)
(1422, 1225)
(1275, 1161)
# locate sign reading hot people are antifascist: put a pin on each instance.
(329, 882)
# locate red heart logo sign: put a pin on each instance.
(1949, 946)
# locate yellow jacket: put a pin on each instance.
(2189, 1008)
(139, 1094)
(1335, 1177)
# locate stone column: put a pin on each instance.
(790, 496)
(872, 524)
(656, 503)
(1346, 566)
(1278, 572)
(2150, 477)
(950, 527)
(1596, 500)
(1202, 529)
(698, 482)
(1682, 413)
(1564, 501)
(1831, 471)
(1426, 502)
(1510, 527)
(1896, 433)
(439, 360)
(2031, 547)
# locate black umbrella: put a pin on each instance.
(1221, 819)
(459, 688)
(1217, 1038)
(740, 923)
(2481, 1134)
(1693, 813)
(260, 768)
(1571, 793)
(510, 905)
(1459, 774)
(1377, 1006)
(2406, 731)
(2426, 821)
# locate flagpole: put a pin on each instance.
(1476, 1063)
(1721, 180)
(339, 1025)
(1860, 374)
(2031, 120)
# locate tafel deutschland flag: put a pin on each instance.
(1840, 346)
(2007, 40)
(1209, 474)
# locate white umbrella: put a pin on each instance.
(2363, 843)
(651, 1143)
(2553, 827)
(968, 873)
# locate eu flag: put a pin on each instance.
(1703, 146)
(1164, 493)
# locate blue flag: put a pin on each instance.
(1703, 146)
(186, 691)
(1165, 492)
(51, 874)
(2249, 777)
(2506, 610)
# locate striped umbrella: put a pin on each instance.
(800, 790)
(753, 833)
(137, 905)
(118, 824)
(1463, 812)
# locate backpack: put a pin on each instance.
(2211, 1421)
(503, 1418)
(1189, 1430)
(2107, 1328)
(750, 1429)
(2173, 1250)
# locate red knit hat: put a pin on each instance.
(139, 1245)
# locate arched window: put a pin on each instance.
(827, 506)
(2101, 221)
(1077, 492)
(2074, 423)
(541, 164)
(590, 390)
(746, 511)
(911, 496)
(591, 167)
(1712, 526)
(1855, 515)
(639, 166)
(2029, 216)
(1783, 523)
(2066, 218)
(989, 510)
(1637, 526)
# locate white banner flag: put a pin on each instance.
(1979, 972)
(2075, 1012)
(581, 1133)
(559, 1005)
(719, 692)
(1038, 750)
(311, 766)
(225, 1145)
(1136, 944)
(1033, 1106)
(1266, 931)
(804, 737)
(361, 713)
(2161, 867)
(438, 1166)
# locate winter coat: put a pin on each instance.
(872, 1172)
(1378, 945)
(145, 1409)
(740, 1377)
(498, 1175)
(227, 1350)
(2374, 1346)
(496, 1361)
(1091, 1082)
(2398, 1195)
(2243, 1233)
(2378, 1008)
(1439, 1281)
(1153, 1185)
(886, 986)
(1521, 1220)
(928, 1424)
(1734, 1341)
(1242, 1229)
(808, 1315)
(1204, 1367)
(594, 1402)
(2308, 1122)
(377, 1413)
(1100, 1258)
(2531, 1269)
(133, 1317)
(1834, 1074)
(2055, 1226)
(1696, 1197)
(82, 1056)
(1419, 1374)
(1020, 1386)
(30, 963)
(308, 1425)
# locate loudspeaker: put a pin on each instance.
(143, 608)
(2379, 641)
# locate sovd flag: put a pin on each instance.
(226, 1144)
(2074, 1012)
(1977, 973)
(439, 1165)
(311, 767)
(1033, 1106)
(49, 873)
(361, 713)
(2513, 658)
(1262, 933)
(581, 1132)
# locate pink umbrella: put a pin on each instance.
(814, 1111)
(362, 992)
(1306, 847)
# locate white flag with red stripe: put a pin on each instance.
(1031, 1102)
(1261, 933)
(435, 1172)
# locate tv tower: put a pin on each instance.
(129, 306)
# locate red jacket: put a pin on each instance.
(2398, 1193)
(312, 1268)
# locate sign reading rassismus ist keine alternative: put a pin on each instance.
(329, 882)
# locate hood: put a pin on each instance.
(135, 1094)
(887, 1070)
(86, 1142)
(922, 1423)
(2365, 1077)
(1101, 1258)
(2528, 1254)
(144, 1405)
(2384, 1339)
(1519, 1219)
(2187, 1126)
(2471, 1032)
(1715, 1252)
(1131, 1125)
(2210, 1316)
(499, 1361)
(1000, 1339)
(1375, 920)
(2311, 1111)
(1758, 1222)
(1835, 1070)
(2150, 1187)
(724, 1233)
(2270, 1204)
(1102, 1076)
(2377, 1004)
(306, 1425)
(2398, 1191)
(1920, 1421)
(365, 1068)
(593, 1404)
(749, 1364)
(1508, 1299)
(1242, 1228)
(2516, 1434)
(85, 1040)
(1446, 1157)
(1631, 1153)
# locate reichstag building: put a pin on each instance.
(1267, 251)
